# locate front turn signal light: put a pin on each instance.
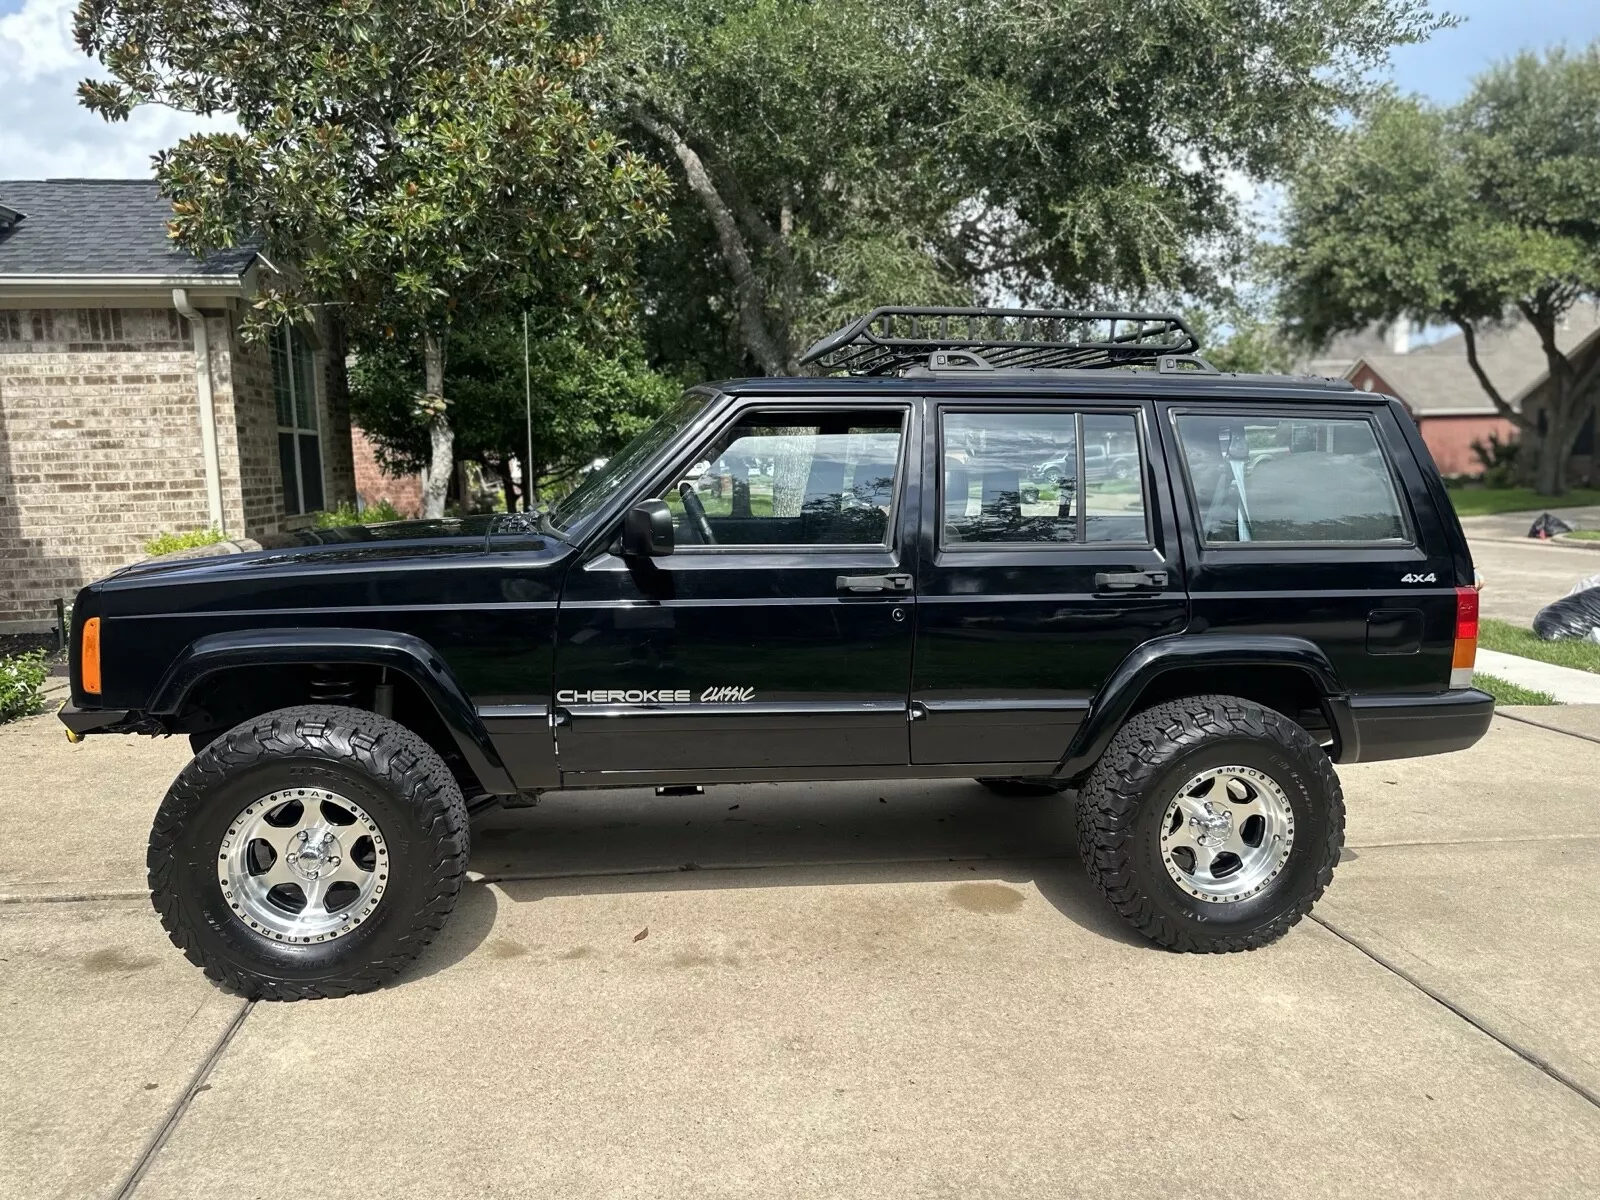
(89, 656)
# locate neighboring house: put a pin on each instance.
(1438, 387)
(129, 404)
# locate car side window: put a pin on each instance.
(1041, 478)
(1269, 479)
(792, 479)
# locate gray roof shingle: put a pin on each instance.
(99, 227)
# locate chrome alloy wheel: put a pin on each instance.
(303, 865)
(1227, 834)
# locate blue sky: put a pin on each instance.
(43, 131)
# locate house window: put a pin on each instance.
(299, 444)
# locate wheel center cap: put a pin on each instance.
(1212, 827)
(313, 853)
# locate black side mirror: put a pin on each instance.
(647, 530)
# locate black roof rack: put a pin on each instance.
(889, 340)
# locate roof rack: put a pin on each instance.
(890, 340)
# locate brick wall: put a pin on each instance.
(373, 483)
(99, 446)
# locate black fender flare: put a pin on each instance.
(403, 652)
(1117, 697)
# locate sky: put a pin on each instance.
(45, 134)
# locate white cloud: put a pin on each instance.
(44, 131)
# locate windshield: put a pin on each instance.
(599, 485)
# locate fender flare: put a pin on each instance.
(1116, 699)
(404, 652)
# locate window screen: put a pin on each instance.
(1041, 478)
(1271, 479)
(786, 479)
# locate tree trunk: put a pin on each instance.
(755, 331)
(441, 438)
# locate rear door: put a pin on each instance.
(1037, 575)
(1317, 521)
(777, 638)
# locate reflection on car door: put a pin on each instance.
(776, 640)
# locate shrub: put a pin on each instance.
(1498, 459)
(346, 514)
(168, 543)
(22, 679)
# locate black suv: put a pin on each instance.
(863, 576)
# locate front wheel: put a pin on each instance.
(1212, 824)
(309, 852)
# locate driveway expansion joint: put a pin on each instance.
(1587, 737)
(158, 1139)
(1510, 1043)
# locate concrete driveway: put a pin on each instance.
(841, 990)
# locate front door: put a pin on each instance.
(1048, 553)
(776, 639)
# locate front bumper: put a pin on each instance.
(1412, 726)
(80, 721)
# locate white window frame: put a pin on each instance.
(291, 336)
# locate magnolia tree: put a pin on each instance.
(1469, 216)
(407, 163)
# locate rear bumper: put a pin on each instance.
(1412, 726)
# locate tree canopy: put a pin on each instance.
(401, 162)
(839, 155)
(1470, 215)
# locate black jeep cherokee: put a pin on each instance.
(863, 576)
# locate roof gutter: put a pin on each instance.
(208, 411)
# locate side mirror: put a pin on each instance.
(647, 530)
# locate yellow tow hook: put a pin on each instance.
(73, 735)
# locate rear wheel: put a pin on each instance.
(1211, 823)
(309, 852)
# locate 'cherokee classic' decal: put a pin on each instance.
(712, 695)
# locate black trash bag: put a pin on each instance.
(1547, 526)
(1573, 616)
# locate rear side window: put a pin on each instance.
(1270, 479)
(1041, 478)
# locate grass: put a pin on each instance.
(1482, 501)
(1585, 535)
(1505, 692)
(1513, 639)
(168, 543)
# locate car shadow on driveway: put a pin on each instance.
(776, 835)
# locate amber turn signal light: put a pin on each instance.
(89, 657)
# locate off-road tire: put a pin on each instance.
(1125, 797)
(391, 772)
(1021, 789)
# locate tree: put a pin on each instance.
(856, 152)
(587, 399)
(405, 163)
(1470, 215)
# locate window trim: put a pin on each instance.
(291, 337)
(1077, 412)
(886, 544)
(1191, 494)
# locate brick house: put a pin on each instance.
(1449, 405)
(129, 403)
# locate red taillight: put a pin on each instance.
(1466, 647)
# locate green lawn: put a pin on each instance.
(1482, 501)
(1513, 639)
(1585, 535)
(1509, 693)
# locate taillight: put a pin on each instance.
(89, 656)
(1466, 648)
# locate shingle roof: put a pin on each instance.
(1437, 377)
(100, 228)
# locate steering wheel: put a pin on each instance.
(696, 512)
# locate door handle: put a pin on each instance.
(873, 583)
(1122, 581)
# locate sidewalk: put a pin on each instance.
(1567, 684)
